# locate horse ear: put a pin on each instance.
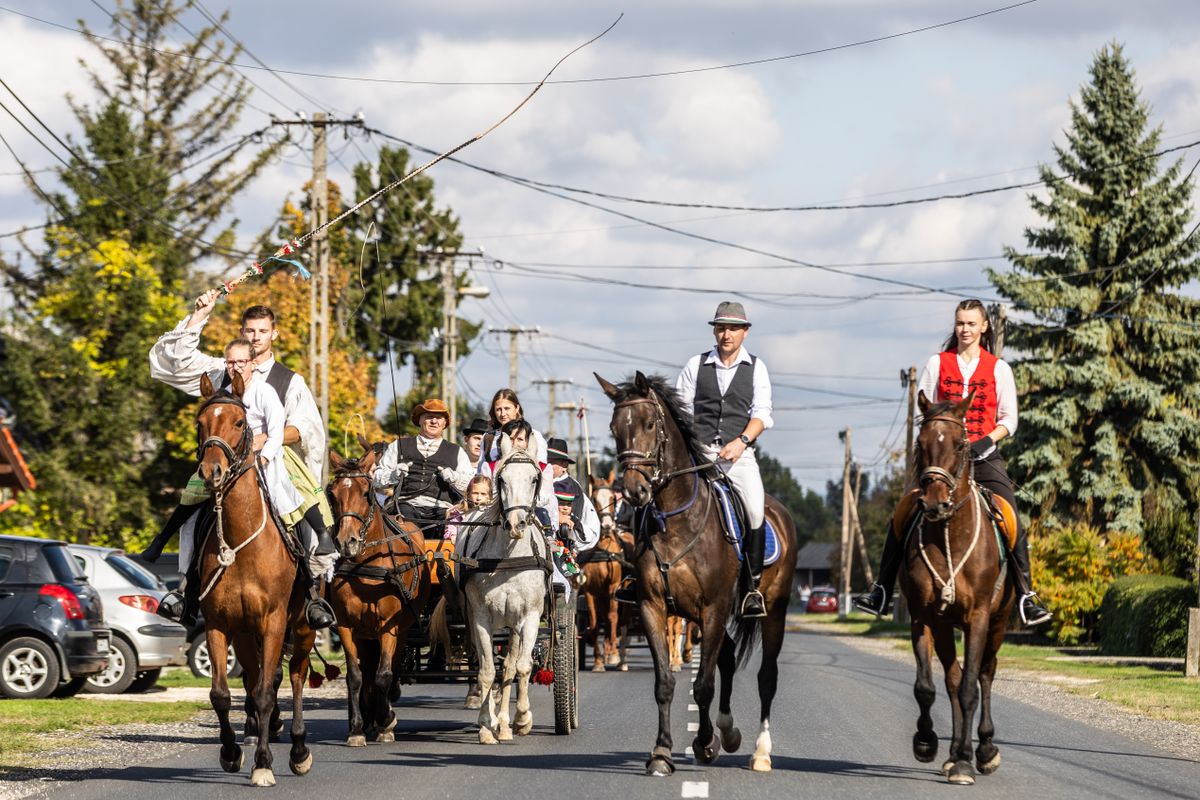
(922, 402)
(238, 385)
(362, 441)
(609, 389)
(960, 409)
(639, 380)
(506, 445)
(206, 387)
(335, 460)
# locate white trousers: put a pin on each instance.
(744, 476)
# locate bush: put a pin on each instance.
(1072, 567)
(1146, 615)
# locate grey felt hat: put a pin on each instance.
(730, 313)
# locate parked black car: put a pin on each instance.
(52, 631)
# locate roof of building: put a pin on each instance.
(816, 555)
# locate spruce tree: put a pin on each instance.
(1108, 346)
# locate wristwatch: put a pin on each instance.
(745, 439)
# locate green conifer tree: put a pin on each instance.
(1107, 346)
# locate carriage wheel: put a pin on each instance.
(575, 682)
(565, 660)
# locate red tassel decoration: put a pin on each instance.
(332, 672)
(543, 677)
(315, 679)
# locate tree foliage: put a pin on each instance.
(1109, 357)
(813, 518)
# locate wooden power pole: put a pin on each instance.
(513, 333)
(908, 380)
(847, 553)
(552, 384)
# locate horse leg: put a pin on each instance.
(925, 741)
(264, 698)
(686, 653)
(231, 754)
(654, 622)
(382, 712)
(947, 653)
(768, 681)
(623, 613)
(354, 685)
(731, 737)
(987, 755)
(523, 722)
(612, 632)
(594, 632)
(673, 643)
(300, 758)
(974, 644)
(482, 636)
(707, 745)
(516, 640)
(245, 647)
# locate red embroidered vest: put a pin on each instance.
(981, 416)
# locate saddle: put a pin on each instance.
(735, 521)
(1004, 516)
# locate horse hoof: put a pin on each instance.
(524, 726)
(597, 667)
(732, 740)
(236, 764)
(249, 741)
(505, 734)
(612, 661)
(302, 766)
(962, 774)
(676, 667)
(356, 741)
(262, 777)
(706, 754)
(486, 737)
(989, 766)
(473, 702)
(624, 668)
(276, 731)
(760, 763)
(925, 746)
(946, 767)
(659, 767)
(385, 736)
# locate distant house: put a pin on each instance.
(814, 564)
(15, 476)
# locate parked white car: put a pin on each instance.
(142, 642)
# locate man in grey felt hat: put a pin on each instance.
(729, 393)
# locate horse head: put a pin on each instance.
(351, 497)
(943, 455)
(604, 499)
(225, 443)
(518, 478)
(639, 428)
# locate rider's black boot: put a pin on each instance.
(317, 612)
(877, 600)
(1031, 609)
(627, 591)
(754, 546)
(178, 517)
(316, 524)
(183, 605)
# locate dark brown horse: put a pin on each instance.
(378, 592)
(601, 568)
(249, 587)
(686, 566)
(954, 577)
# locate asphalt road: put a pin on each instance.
(842, 727)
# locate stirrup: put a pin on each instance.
(319, 614)
(753, 605)
(172, 606)
(863, 601)
(625, 593)
(1040, 614)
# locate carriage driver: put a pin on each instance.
(585, 522)
(729, 393)
(430, 474)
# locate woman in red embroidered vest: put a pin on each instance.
(966, 365)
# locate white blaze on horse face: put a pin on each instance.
(941, 437)
(347, 483)
(217, 411)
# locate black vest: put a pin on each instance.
(279, 378)
(424, 473)
(722, 418)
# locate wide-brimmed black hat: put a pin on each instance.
(477, 425)
(556, 450)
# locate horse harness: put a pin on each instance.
(516, 563)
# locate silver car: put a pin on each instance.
(142, 642)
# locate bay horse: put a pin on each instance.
(602, 571)
(378, 591)
(507, 588)
(686, 566)
(250, 593)
(954, 578)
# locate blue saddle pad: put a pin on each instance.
(733, 523)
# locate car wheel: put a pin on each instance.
(70, 688)
(28, 668)
(120, 672)
(201, 664)
(145, 680)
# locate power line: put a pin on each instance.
(602, 79)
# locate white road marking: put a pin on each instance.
(689, 752)
(693, 726)
(695, 789)
(693, 707)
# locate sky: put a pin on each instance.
(965, 106)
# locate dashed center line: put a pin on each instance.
(693, 726)
(694, 789)
(693, 707)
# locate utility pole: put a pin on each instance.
(553, 384)
(859, 536)
(847, 557)
(513, 333)
(571, 409)
(908, 380)
(451, 292)
(999, 321)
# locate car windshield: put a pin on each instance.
(64, 567)
(134, 572)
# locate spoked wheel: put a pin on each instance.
(566, 661)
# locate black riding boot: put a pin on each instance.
(182, 605)
(316, 522)
(178, 518)
(1031, 610)
(317, 612)
(877, 600)
(753, 547)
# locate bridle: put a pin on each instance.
(639, 460)
(518, 457)
(240, 460)
(952, 480)
(353, 547)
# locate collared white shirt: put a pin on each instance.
(1006, 389)
(760, 405)
(176, 360)
(387, 471)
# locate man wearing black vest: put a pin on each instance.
(729, 393)
(585, 525)
(428, 472)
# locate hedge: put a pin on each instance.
(1146, 615)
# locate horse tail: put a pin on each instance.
(745, 640)
(439, 629)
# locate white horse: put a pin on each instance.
(500, 596)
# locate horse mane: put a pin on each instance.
(938, 409)
(673, 404)
(348, 465)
